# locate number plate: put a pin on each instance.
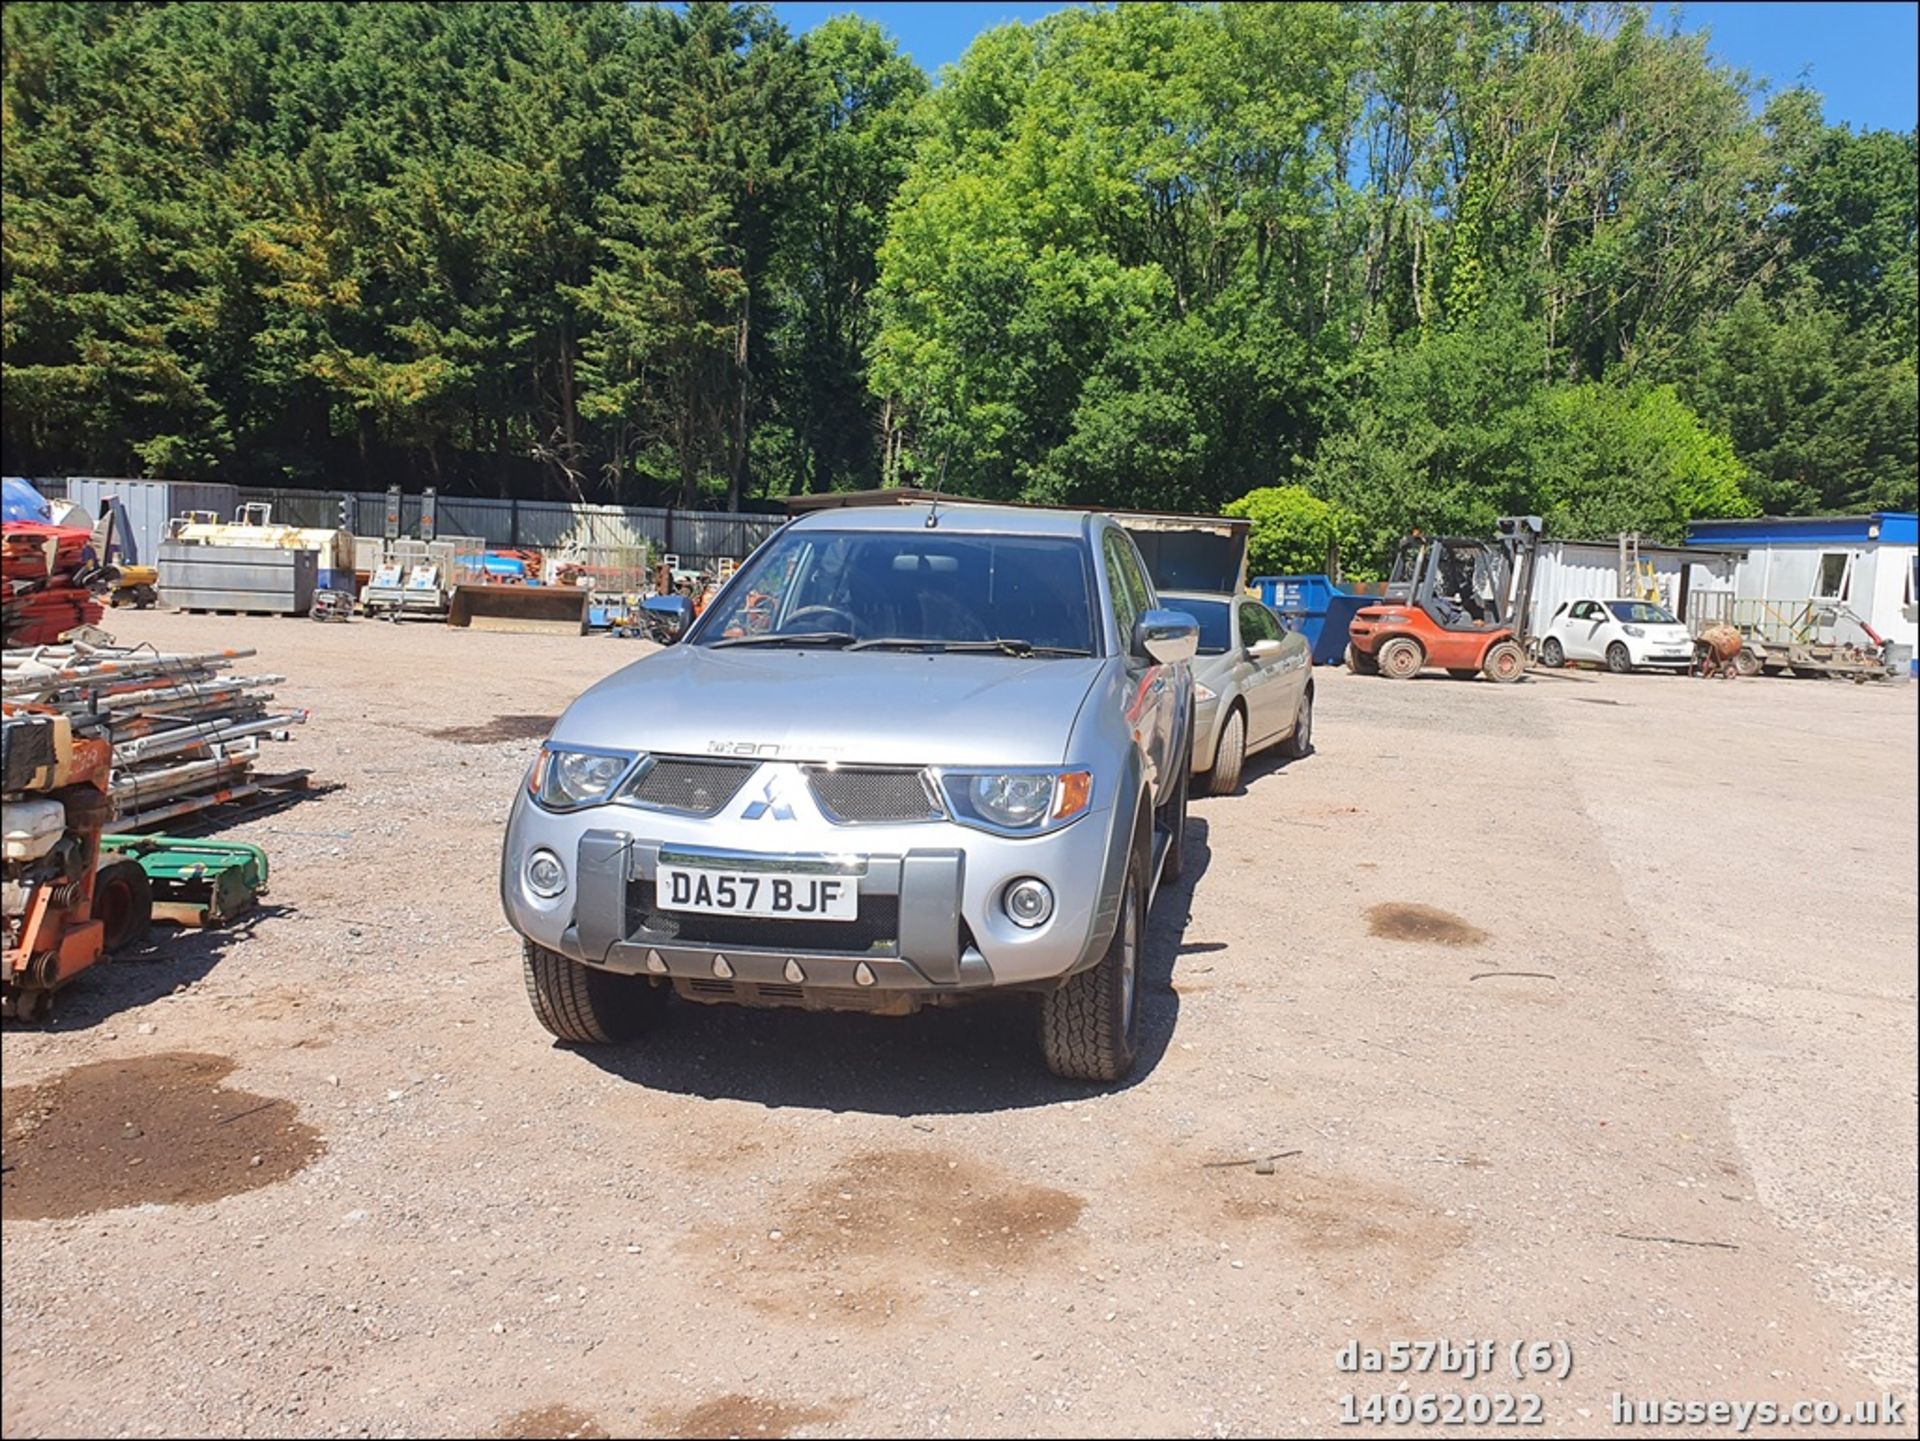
(768, 894)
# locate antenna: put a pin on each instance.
(933, 511)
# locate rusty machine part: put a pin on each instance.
(57, 803)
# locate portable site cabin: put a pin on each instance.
(1869, 564)
(143, 509)
(1570, 570)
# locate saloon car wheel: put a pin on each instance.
(1401, 658)
(1619, 661)
(1090, 1025)
(584, 1004)
(1553, 655)
(1300, 743)
(1229, 756)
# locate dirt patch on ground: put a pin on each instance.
(500, 728)
(157, 1129)
(862, 1242)
(1350, 1229)
(743, 1416)
(555, 1422)
(1399, 921)
(962, 1211)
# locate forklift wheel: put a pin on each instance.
(1400, 658)
(123, 903)
(1504, 662)
(1360, 662)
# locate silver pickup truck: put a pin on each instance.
(908, 755)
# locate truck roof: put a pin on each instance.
(954, 517)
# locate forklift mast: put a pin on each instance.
(1520, 540)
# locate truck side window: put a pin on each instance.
(1122, 586)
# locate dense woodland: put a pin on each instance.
(1347, 267)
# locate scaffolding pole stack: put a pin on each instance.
(185, 734)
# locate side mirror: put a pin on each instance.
(1261, 649)
(1166, 637)
(670, 615)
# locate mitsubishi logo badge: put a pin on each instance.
(772, 802)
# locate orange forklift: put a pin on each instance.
(1456, 603)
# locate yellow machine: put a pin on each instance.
(133, 585)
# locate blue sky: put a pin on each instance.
(1860, 56)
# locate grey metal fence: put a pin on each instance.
(699, 537)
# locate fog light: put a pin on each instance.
(545, 875)
(1029, 902)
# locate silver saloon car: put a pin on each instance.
(1253, 687)
(909, 754)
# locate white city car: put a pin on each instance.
(1623, 635)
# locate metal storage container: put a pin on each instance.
(1316, 606)
(252, 579)
(142, 508)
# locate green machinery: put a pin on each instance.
(193, 882)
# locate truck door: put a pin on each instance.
(1151, 690)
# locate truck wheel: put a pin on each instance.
(1230, 755)
(123, 904)
(1361, 663)
(1504, 662)
(584, 1004)
(1299, 744)
(1618, 660)
(1553, 655)
(1090, 1025)
(1400, 658)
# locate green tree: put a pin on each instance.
(862, 98)
(1824, 413)
(1293, 531)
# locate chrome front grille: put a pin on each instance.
(866, 795)
(689, 787)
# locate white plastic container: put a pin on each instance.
(33, 827)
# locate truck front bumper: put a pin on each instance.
(931, 922)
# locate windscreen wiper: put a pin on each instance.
(798, 637)
(1004, 645)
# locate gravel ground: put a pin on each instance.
(1580, 1011)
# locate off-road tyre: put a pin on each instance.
(586, 1005)
(1229, 754)
(1401, 658)
(1504, 662)
(1090, 1024)
(1299, 743)
(123, 904)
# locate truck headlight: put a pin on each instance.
(564, 778)
(1024, 802)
